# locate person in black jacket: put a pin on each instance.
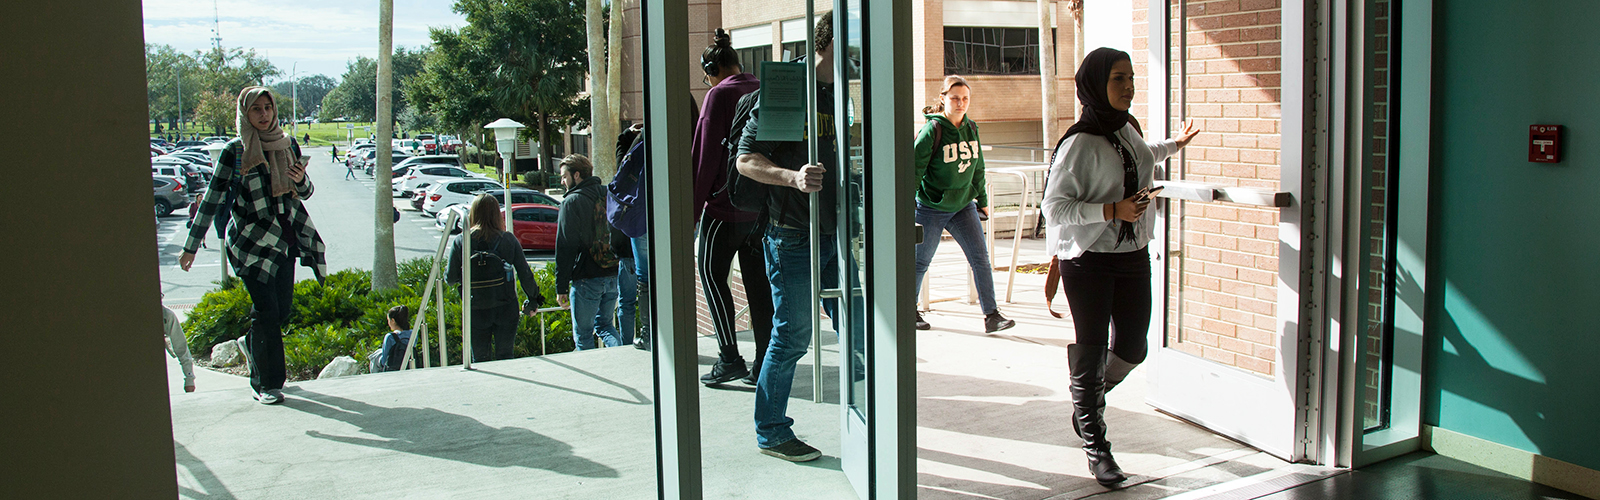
(584, 259)
(494, 299)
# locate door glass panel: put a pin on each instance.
(1377, 258)
(852, 201)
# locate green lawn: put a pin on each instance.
(322, 134)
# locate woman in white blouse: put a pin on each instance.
(1096, 194)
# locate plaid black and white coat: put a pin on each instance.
(255, 238)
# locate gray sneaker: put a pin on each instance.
(270, 397)
(794, 451)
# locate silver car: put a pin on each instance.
(170, 195)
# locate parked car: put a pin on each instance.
(450, 146)
(454, 192)
(185, 144)
(396, 157)
(415, 161)
(193, 157)
(521, 195)
(170, 195)
(430, 143)
(420, 177)
(351, 157)
(533, 224)
(190, 177)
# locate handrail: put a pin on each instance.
(1205, 192)
(436, 283)
(427, 291)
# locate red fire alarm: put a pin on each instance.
(1544, 143)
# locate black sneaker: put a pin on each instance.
(753, 377)
(922, 324)
(641, 343)
(794, 451)
(724, 372)
(994, 322)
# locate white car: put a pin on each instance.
(454, 192)
(427, 175)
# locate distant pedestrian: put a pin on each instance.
(268, 230)
(586, 267)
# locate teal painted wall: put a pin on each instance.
(1513, 340)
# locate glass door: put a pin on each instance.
(1237, 344)
(852, 252)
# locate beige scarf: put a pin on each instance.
(269, 148)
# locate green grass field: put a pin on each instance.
(322, 134)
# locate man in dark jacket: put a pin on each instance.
(584, 260)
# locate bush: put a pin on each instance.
(343, 317)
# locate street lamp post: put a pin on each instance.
(505, 136)
(294, 106)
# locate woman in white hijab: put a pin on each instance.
(260, 182)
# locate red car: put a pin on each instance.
(534, 224)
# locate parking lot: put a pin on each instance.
(341, 209)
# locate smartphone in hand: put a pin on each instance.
(1150, 194)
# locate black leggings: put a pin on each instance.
(1109, 295)
(270, 305)
(719, 241)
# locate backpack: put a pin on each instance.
(744, 193)
(489, 270)
(396, 353)
(600, 249)
(627, 196)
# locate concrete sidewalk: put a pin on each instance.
(992, 423)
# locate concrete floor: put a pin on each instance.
(991, 424)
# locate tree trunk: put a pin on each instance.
(385, 276)
(544, 140)
(602, 111)
(1047, 73)
(614, 87)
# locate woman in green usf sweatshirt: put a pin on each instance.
(950, 194)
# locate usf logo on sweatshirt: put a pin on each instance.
(964, 151)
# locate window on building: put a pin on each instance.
(991, 51)
(792, 50)
(751, 57)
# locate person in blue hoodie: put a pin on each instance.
(951, 194)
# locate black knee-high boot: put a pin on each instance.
(1088, 367)
(1117, 369)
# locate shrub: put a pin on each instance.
(342, 316)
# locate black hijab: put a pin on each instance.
(1098, 117)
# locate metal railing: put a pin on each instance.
(434, 289)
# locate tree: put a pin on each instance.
(356, 95)
(231, 70)
(216, 110)
(522, 59)
(173, 81)
(411, 120)
(605, 70)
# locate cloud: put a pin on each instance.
(312, 36)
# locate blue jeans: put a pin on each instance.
(628, 299)
(789, 270)
(968, 231)
(594, 301)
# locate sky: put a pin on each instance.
(307, 36)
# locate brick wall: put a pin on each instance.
(1377, 167)
(1224, 256)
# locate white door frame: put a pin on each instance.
(1282, 415)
